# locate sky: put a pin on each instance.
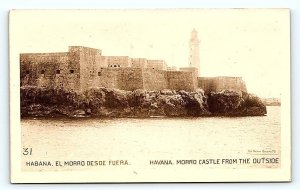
(251, 43)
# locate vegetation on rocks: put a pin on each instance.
(231, 103)
(107, 102)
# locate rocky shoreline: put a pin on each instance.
(107, 102)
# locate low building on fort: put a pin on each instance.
(81, 68)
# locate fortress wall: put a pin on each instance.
(230, 83)
(73, 74)
(106, 77)
(120, 78)
(139, 62)
(178, 80)
(216, 84)
(43, 69)
(44, 57)
(88, 58)
(28, 73)
(118, 61)
(157, 64)
(172, 68)
(206, 83)
(130, 78)
(100, 63)
(48, 78)
(74, 58)
(189, 69)
(82, 67)
(155, 79)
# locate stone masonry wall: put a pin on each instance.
(230, 83)
(206, 83)
(89, 65)
(74, 67)
(120, 78)
(118, 61)
(155, 79)
(46, 70)
(149, 79)
(138, 62)
(106, 77)
(157, 64)
(81, 68)
(130, 78)
(190, 69)
(181, 80)
(216, 84)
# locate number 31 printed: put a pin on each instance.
(27, 151)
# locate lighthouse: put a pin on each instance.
(194, 42)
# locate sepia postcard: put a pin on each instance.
(150, 95)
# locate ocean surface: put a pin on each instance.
(138, 141)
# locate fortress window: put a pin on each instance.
(43, 72)
(99, 73)
(57, 71)
(71, 71)
(115, 65)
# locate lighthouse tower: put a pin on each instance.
(194, 60)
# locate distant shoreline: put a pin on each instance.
(271, 101)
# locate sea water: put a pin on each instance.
(147, 139)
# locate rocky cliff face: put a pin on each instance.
(105, 102)
(231, 103)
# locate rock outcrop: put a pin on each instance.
(231, 103)
(106, 102)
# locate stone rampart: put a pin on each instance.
(118, 61)
(45, 70)
(119, 78)
(182, 80)
(157, 64)
(130, 78)
(217, 84)
(89, 63)
(139, 62)
(148, 79)
(81, 68)
(155, 79)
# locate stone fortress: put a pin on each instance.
(81, 68)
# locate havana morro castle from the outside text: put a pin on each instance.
(81, 68)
